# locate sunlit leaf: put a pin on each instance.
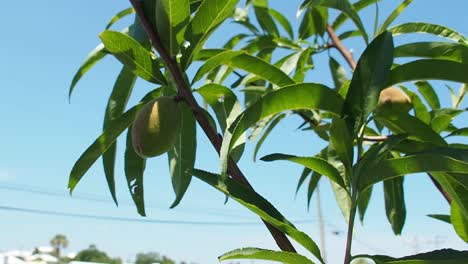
(429, 94)
(133, 55)
(440, 217)
(210, 14)
(434, 50)
(442, 256)
(338, 73)
(172, 17)
(394, 15)
(272, 125)
(358, 6)
(283, 21)
(260, 206)
(264, 254)
(120, 15)
(420, 27)
(314, 163)
(459, 221)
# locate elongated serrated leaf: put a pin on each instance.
(119, 16)
(429, 94)
(401, 7)
(105, 140)
(293, 97)
(441, 217)
(442, 256)
(363, 203)
(459, 221)
(272, 125)
(307, 26)
(210, 14)
(368, 80)
(345, 7)
(316, 164)
(358, 6)
(264, 18)
(134, 169)
(248, 63)
(182, 156)
(306, 172)
(395, 167)
(116, 105)
(338, 73)
(283, 21)
(265, 254)
(435, 50)
(94, 57)
(313, 184)
(402, 123)
(260, 206)
(395, 207)
(342, 143)
(172, 17)
(438, 30)
(133, 55)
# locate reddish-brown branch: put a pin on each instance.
(185, 92)
(336, 43)
(441, 190)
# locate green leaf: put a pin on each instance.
(459, 132)
(182, 156)
(264, 18)
(342, 199)
(422, 162)
(266, 133)
(442, 118)
(172, 17)
(394, 15)
(442, 256)
(134, 171)
(306, 172)
(133, 55)
(368, 80)
(338, 73)
(395, 203)
(208, 17)
(313, 183)
(293, 97)
(459, 221)
(434, 50)
(260, 206)
(420, 110)
(315, 21)
(363, 203)
(403, 123)
(264, 254)
(105, 140)
(342, 143)
(283, 21)
(440, 217)
(94, 57)
(429, 94)
(316, 164)
(456, 186)
(248, 63)
(345, 7)
(358, 6)
(438, 30)
(120, 15)
(116, 105)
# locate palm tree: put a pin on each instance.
(59, 241)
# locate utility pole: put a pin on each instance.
(321, 224)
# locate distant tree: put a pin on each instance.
(59, 241)
(152, 257)
(92, 254)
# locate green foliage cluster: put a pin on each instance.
(364, 146)
(92, 254)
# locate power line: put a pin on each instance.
(124, 219)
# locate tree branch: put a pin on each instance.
(184, 91)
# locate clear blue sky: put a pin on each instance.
(43, 44)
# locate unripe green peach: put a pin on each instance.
(393, 99)
(156, 127)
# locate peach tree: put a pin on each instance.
(372, 135)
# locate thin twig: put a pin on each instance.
(185, 92)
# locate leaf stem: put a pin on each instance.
(349, 235)
(184, 92)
